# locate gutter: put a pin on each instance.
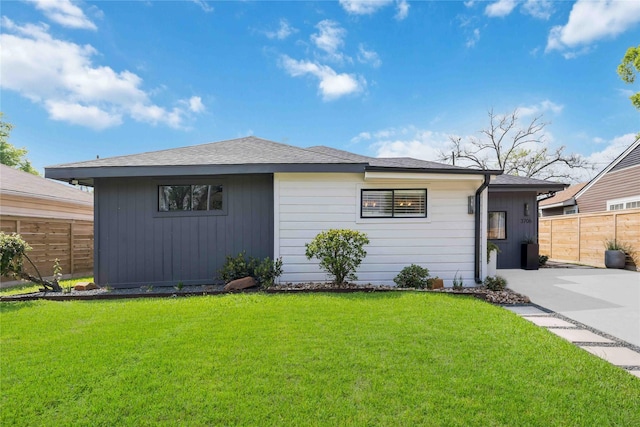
(478, 255)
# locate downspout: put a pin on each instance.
(478, 255)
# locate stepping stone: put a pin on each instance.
(580, 335)
(635, 372)
(549, 322)
(616, 355)
(526, 310)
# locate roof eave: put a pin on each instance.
(461, 171)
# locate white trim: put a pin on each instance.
(622, 201)
(381, 176)
(608, 168)
(276, 218)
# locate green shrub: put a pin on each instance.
(265, 272)
(495, 283)
(490, 248)
(542, 260)
(413, 276)
(12, 252)
(340, 253)
(458, 282)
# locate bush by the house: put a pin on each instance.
(13, 252)
(340, 253)
(542, 260)
(458, 282)
(265, 272)
(495, 283)
(413, 276)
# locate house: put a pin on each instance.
(513, 214)
(55, 219)
(561, 203)
(174, 215)
(616, 187)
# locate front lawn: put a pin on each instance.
(28, 287)
(398, 358)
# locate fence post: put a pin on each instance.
(579, 239)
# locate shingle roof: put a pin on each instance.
(241, 151)
(513, 182)
(390, 162)
(562, 196)
(17, 182)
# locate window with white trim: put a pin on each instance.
(568, 210)
(626, 203)
(497, 225)
(393, 203)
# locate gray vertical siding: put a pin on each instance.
(517, 226)
(135, 246)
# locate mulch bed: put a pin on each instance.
(495, 297)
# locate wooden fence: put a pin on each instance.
(68, 240)
(580, 238)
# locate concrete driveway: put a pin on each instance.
(605, 299)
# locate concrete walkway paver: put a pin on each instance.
(549, 321)
(620, 356)
(580, 335)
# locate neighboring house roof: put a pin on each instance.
(19, 183)
(241, 156)
(629, 157)
(517, 183)
(562, 198)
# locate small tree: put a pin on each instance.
(340, 253)
(10, 155)
(13, 252)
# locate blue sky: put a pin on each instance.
(381, 78)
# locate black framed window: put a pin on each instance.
(194, 197)
(410, 203)
(497, 228)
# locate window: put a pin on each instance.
(568, 210)
(497, 229)
(197, 197)
(626, 203)
(394, 204)
(633, 205)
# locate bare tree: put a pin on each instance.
(518, 150)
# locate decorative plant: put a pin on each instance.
(413, 276)
(495, 283)
(265, 272)
(542, 259)
(529, 240)
(13, 252)
(340, 253)
(458, 282)
(615, 245)
(490, 248)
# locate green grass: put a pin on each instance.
(28, 287)
(388, 359)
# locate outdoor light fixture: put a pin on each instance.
(526, 209)
(471, 205)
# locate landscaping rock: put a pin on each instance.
(238, 284)
(85, 286)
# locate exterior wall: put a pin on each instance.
(518, 225)
(306, 204)
(616, 184)
(39, 207)
(135, 246)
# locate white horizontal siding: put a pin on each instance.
(307, 204)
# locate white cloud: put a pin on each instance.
(204, 5)
(410, 142)
(368, 56)
(332, 85)
(543, 107)
(541, 9)
(363, 7)
(83, 115)
(60, 76)
(402, 10)
(195, 104)
(474, 38)
(284, 30)
(470, 3)
(500, 8)
(329, 38)
(590, 21)
(362, 136)
(65, 13)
